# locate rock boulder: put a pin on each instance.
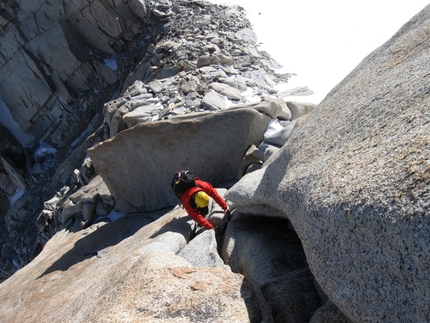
(155, 150)
(354, 179)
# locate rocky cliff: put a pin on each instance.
(54, 80)
(329, 220)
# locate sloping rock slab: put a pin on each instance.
(354, 180)
(125, 271)
(138, 163)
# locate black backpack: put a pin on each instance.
(182, 181)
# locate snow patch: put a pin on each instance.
(115, 215)
(8, 121)
(43, 150)
(18, 194)
(111, 63)
(273, 127)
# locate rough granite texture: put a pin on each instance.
(354, 179)
(126, 271)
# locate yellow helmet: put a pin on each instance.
(202, 199)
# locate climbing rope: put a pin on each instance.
(290, 274)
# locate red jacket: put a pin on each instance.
(194, 213)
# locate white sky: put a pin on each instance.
(322, 41)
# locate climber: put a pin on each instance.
(194, 195)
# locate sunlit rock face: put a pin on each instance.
(127, 269)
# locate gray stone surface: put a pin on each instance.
(141, 114)
(61, 64)
(203, 251)
(248, 159)
(213, 100)
(352, 177)
(225, 89)
(299, 109)
(56, 54)
(273, 107)
(251, 196)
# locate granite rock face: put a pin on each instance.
(354, 181)
(54, 81)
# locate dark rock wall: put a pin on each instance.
(54, 81)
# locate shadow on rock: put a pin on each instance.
(268, 253)
(256, 305)
(107, 235)
(177, 225)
